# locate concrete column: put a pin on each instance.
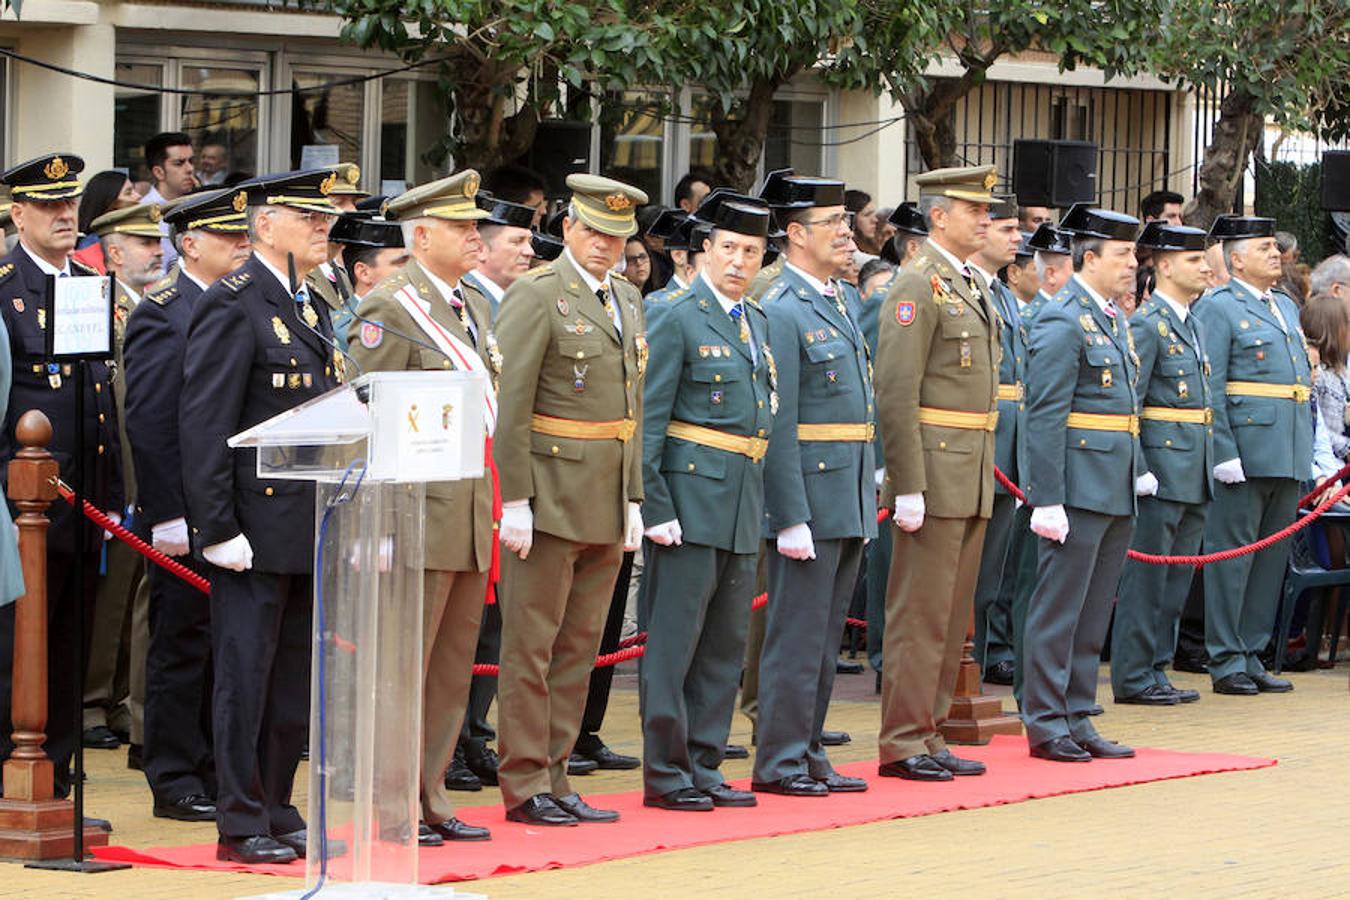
(874, 161)
(54, 111)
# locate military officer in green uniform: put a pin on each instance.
(707, 414)
(427, 298)
(1083, 467)
(937, 366)
(330, 281)
(569, 454)
(1263, 444)
(1176, 434)
(771, 192)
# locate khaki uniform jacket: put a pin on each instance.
(455, 510)
(938, 348)
(123, 304)
(566, 361)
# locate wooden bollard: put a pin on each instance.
(975, 716)
(33, 824)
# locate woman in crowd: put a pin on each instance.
(103, 193)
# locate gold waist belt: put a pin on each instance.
(619, 429)
(1168, 414)
(953, 418)
(1297, 392)
(836, 431)
(753, 447)
(1104, 422)
(1015, 392)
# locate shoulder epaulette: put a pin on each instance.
(80, 268)
(773, 290)
(6, 270)
(754, 304)
(234, 282)
(540, 271)
(163, 282)
(163, 295)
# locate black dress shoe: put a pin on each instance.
(1095, 710)
(835, 738)
(606, 758)
(540, 810)
(1000, 673)
(1061, 749)
(726, 795)
(956, 765)
(134, 758)
(299, 842)
(100, 737)
(1194, 663)
(792, 786)
(426, 837)
(100, 824)
(254, 850)
(920, 767)
(192, 808)
(847, 667)
(1267, 683)
(1153, 695)
(735, 751)
(842, 784)
(1237, 684)
(682, 800)
(482, 761)
(459, 777)
(580, 765)
(1184, 695)
(453, 829)
(1100, 748)
(583, 811)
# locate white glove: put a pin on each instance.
(117, 518)
(632, 537)
(1146, 485)
(796, 543)
(1050, 522)
(235, 554)
(909, 511)
(171, 537)
(667, 534)
(1230, 472)
(879, 476)
(517, 531)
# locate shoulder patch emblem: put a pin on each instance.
(372, 335)
(904, 312)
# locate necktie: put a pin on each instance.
(306, 309)
(462, 310)
(737, 315)
(602, 294)
(1274, 310)
(1111, 314)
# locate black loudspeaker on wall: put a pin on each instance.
(1336, 180)
(561, 147)
(1054, 173)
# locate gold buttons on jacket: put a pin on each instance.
(269, 491)
(100, 449)
(554, 450)
(691, 467)
(820, 466)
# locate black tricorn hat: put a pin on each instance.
(1024, 248)
(546, 247)
(772, 189)
(734, 212)
(504, 212)
(806, 192)
(1083, 221)
(906, 217)
(1159, 235)
(666, 226)
(360, 229)
(1049, 239)
(1240, 228)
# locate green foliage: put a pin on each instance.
(1291, 194)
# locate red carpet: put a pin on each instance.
(1013, 777)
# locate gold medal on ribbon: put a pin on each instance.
(309, 315)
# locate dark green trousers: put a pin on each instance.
(993, 613)
(1022, 581)
(878, 571)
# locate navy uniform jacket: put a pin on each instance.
(23, 292)
(152, 355)
(1172, 375)
(1077, 364)
(700, 373)
(249, 357)
(1272, 436)
(823, 378)
(1010, 438)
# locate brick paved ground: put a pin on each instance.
(1273, 832)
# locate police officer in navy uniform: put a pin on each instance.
(46, 194)
(257, 347)
(210, 234)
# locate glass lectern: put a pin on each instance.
(370, 446)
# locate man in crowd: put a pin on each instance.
(708, 408)
(937, 366)
(1020, 275)
(257, 328)
(1262, 444)
(507, 253)
(170, 159)
(428, 298)
(1081, 482)
(1178, 452)
(691, 189)
(210, 233)
(1332, 277)
(372, 250)
(1029, 218)
(569, 455)
(519, 184)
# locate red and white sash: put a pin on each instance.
(462, 355)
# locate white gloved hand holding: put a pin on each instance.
(171, 537)
(517, 529)
(117, 519)
(909, 510)
(667, 534)
(632, 536)
(1146, 485)
(1050, 522)
(796, 543)
(879, 476)
(235, 554)
(1230, 472)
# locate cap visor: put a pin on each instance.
(617, 226)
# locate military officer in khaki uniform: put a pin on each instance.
(937, 364)
(569, 451)
(330, 281)
(426, 298)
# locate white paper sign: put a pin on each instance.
(319, 156)
(82, 317)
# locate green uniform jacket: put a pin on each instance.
(934, 319)
(567, 362)
(701, 373)
(869, 320)
(760, 284)
(1273, 437)
(327, 290)
(823, 377)
(1010, 438)
(1076, 364)
(458, 523)
(1172, 366)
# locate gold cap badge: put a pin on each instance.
(989, 181)
(618, 202)
(240, 201)
(471, 183)
(326, 186)
(56, 169)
